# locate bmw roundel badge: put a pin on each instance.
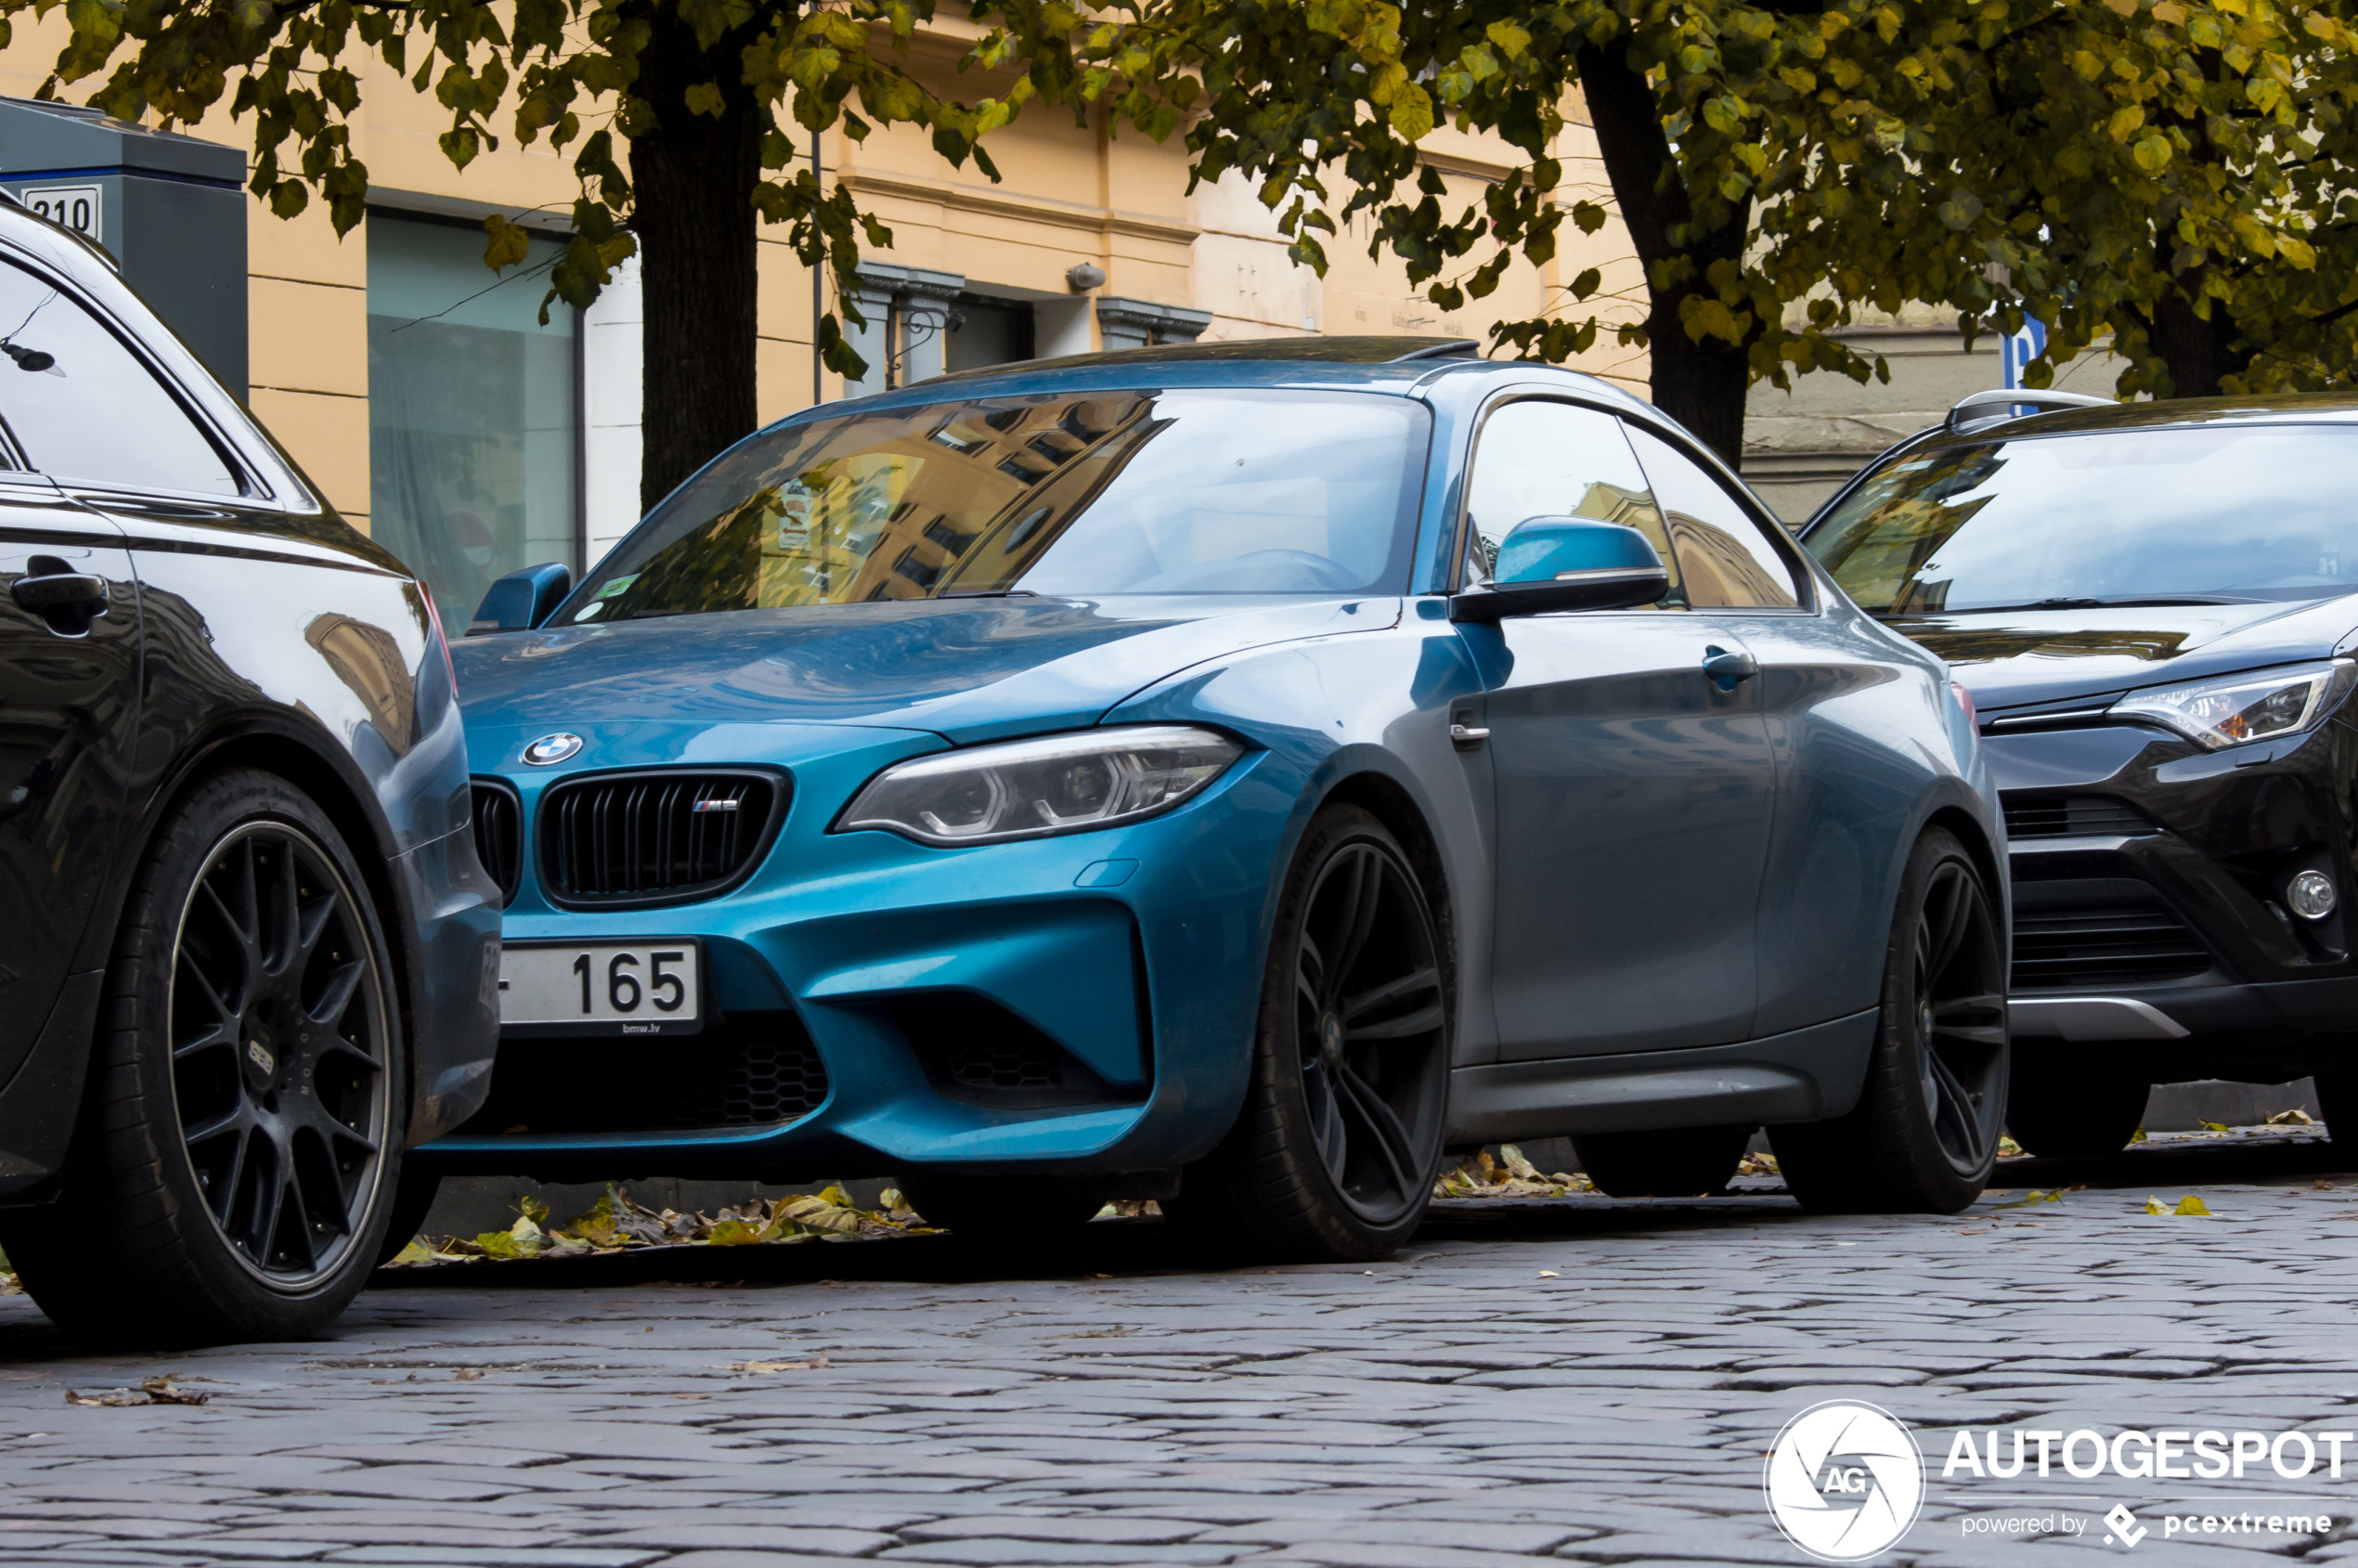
(551, 750)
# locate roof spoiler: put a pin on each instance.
(1997, 404)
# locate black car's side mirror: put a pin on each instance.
(1566, 563)
(523, 599)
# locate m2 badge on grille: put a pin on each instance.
(651, 986)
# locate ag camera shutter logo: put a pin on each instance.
(1844, 1481)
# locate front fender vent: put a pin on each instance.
(663, 836)
(499, 823)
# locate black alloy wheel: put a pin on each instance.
(1337, 1148)
(279, 1025)
(234, 1169)
(1959, 984)
(1923, 1135)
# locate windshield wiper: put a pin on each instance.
(2087, 602)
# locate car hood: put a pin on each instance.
(2020, 658)
(967, 669)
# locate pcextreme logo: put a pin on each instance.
(1844, 1481)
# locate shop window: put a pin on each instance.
(475, 410)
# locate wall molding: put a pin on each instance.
(958, 197)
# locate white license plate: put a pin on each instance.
(601, 988)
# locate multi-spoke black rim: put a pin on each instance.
(1961, 1018)
(278, 1029)
(1370, 1030)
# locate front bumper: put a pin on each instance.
(2149, 910)
(911, 991)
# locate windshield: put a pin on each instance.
(2203, 516)
(1107, 493)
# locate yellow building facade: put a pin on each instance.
(424, 396)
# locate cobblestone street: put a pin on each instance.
(1573, 1378)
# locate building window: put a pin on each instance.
(986, 332)
(475, 410)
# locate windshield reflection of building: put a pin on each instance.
(963, 503)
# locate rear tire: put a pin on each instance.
(1335, 1152)
(2065, 1104)
(1923, 1136)
(1683, 1162)
(230, 1178)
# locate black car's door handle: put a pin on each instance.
(1727, 668)
(64, 598)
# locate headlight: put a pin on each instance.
(2237, 710)
(1030, 789)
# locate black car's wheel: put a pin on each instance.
(1681, 1162)
(1923, 1136)
(1016, 1210)
(2067, 1103)
(233, 1174)
(1336, 1151)
(2337, 1099)
(413, 1200)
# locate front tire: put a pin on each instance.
(1335, 1152)
(232, 1177)
(1923, 1138)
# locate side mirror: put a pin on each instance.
(1566, 563)
(523, 599)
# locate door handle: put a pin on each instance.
(1466, 732)
(1726, 669)
(66, 599)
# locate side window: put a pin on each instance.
(84, 408)
(1726, 559)
(1540, 458)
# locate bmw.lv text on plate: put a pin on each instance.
(1233, 776)
(250, 955)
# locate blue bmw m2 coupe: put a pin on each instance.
(1235, 776)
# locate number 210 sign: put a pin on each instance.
(73, 206)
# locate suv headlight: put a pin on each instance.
(1031, 789)
(2237, 709)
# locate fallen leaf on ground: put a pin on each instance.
(468, 1374)
(816, 1361)
(2034, 1196)
(152, 1390)
(2295, 1117)
(1549, 1273)
(2186, 1205)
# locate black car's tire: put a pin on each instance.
(412, 1201)
(1014, 1210)
(1336, 1150)
(1923, 1135)
(2337, 1098)
(2065, 1103)
(1683, 1162)
(231, 1175)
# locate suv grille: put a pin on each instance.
(498, 838)
(2075, 816)
(2062, 949)
(757, 1069)
(635, 839)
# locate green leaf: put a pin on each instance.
(1411, 112)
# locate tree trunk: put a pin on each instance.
(2197, 351)
(1703, 385)
(694, 178)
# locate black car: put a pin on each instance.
(2153, 606)
(250, 953)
